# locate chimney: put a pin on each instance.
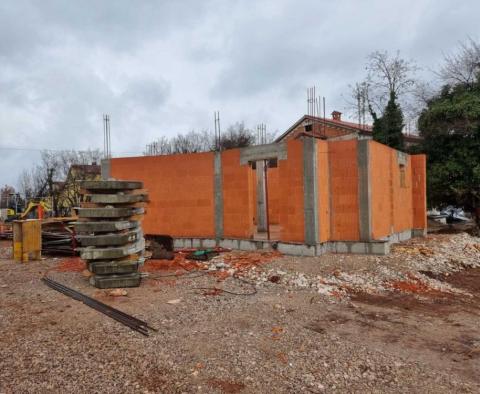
(336, 115)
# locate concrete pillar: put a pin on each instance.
(310, 191)
(261, 197)
(364, 190)
(218, 195)
(105, 169)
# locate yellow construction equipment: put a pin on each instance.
(37, 209)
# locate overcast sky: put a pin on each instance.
(162, 67)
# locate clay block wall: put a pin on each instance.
(291, 194)
(398, 201)
(273, 178)
(344, 190)
(180, 188)
(237, 203)
(419, 187)
(323, 190)
(381, 193)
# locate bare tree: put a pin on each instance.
(38, 181)
(463, 66)
(389, 74)
(6, 193)
(236, 136)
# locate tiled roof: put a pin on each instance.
(347, 126)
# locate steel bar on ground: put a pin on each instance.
(121, 319)
(83, 296)
(128, 320)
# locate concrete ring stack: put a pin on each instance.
(110, 233)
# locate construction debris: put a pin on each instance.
(109, 232)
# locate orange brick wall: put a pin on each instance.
(273, 177)
(381, 196)
(180, 189)
(344, 189)
(237, 203)
(396, 208)
(291, 193)
(323, 187)
(419, 198)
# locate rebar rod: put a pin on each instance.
(81, 296)
(88, 301)
(131, 321)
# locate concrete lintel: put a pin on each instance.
(218, 195)
(310, 192)
(364, 190)
(105, 169)
(263, 152)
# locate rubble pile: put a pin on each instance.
(109, 231)
(438, 254)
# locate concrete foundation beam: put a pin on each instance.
(103, 227)
(111, 185)
(114, 267)
(110, 239)
(92, 253)
(116, 281)
(116, 198)
(109, 213)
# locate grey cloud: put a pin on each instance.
(162, 67)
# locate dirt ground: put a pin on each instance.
(407, 322)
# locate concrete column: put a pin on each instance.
(218, 195)
(310, 191)
(105, 169)
(261, 197)
(364, 190)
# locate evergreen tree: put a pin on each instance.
(387, 129)
(450, 126)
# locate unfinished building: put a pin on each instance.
(304, 196)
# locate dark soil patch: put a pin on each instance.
(226, 386)
(407, 302)
(467, 279)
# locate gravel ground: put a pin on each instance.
(344, 327)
